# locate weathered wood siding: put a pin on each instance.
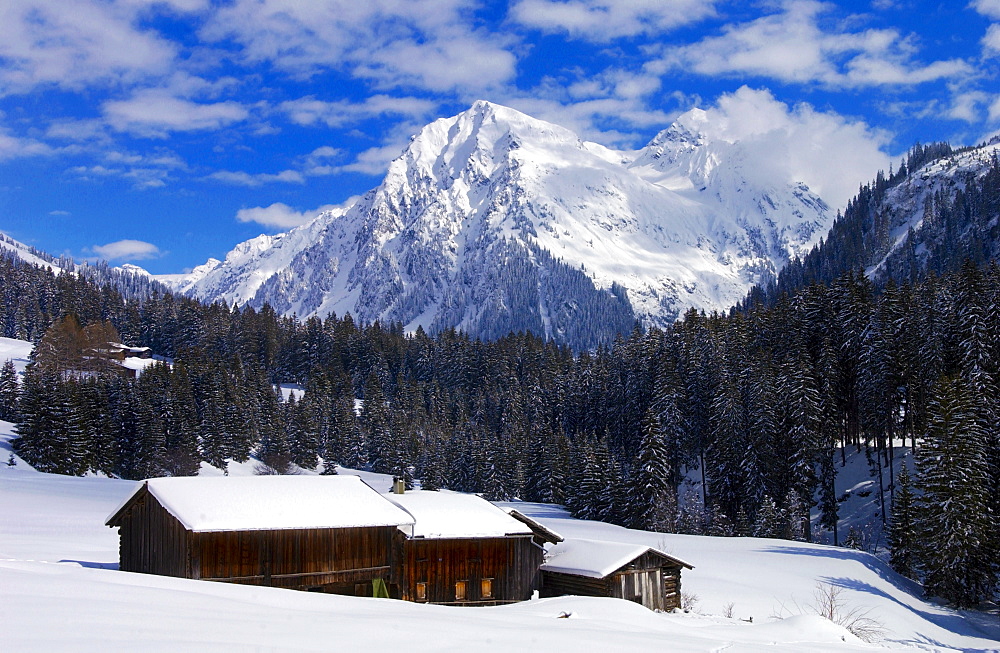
(511, 563)
(655, 586)
(340, 560)
(334, 559)
(152, 541)
(557, 584)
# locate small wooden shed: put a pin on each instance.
(323, 533)
(464, 550)
(613, 569)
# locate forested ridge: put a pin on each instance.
(960, 221)
(761, 405)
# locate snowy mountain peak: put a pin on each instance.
(493, 221)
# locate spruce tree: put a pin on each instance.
(653, 499)
(9, 390)
(902, 532)
(768, 522)
(954, 522)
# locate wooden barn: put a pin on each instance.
(613, 569)
(321, 533)
(463, 550)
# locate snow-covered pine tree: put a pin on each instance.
(768, 522)
(691, 514)
(902, 532)
(653, 499)
(9, 390)
(954, 522)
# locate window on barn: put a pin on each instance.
(421, 591)
(460, 590)
(486, 588)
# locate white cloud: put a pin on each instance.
(991, 42)
(310, 111)
(144, 171)
(455, 60)
(127, 250)
(16, 147)
(375, 160)
(994, 111)
(325, 152)
(59, 213)
(826, 151)
(603, 20)
(74, 43)
(590, 118)
(279, 215)
(154, 113)
(240, 178)
(966, 106)
(792, 46)
(431, 44)
(988, 8)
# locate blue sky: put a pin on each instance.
(163, 133)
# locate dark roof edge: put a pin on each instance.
(537, 528)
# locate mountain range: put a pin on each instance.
(492, 221)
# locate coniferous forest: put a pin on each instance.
(761, 406)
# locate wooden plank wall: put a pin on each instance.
(556, 584)
(152, 541)
(296, 558)
(657, 588)
(512, 564)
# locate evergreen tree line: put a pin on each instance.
(958, 224)
(760, 406)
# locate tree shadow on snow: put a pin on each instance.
(951, 620)
(883, 570)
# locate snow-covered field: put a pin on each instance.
(60, 590)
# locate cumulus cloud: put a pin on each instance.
(826, 151)
(432, 44)
(792, 46)
(592, 118)
(603, 20)
(988, 8)
(73, 43)
(995, 111)
(16, 147)
(991, 42)
(310, 111)
(127, 250)
(374, 160)
(966, 106)
(279, 215)
(154, 113)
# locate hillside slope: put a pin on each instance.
(60, 591)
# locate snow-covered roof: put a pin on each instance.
(229, 503)
(596, 558)
(449, 515)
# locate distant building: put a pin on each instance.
(121, 352)
(625, 571)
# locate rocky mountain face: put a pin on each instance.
(492, 221)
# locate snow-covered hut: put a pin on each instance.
(626, 571)
(325, 533)
(463, 550)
